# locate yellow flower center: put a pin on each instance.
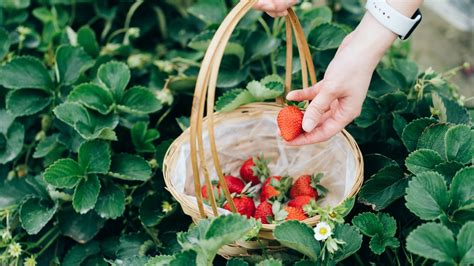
(323, 231)
(332, 215)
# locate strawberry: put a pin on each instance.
(215, 189)
(295, 214)
(275, 187)
(244, 205)
(264, 212)
(254, 169)
(235, 185)
(307, 185)
(300, 201)
(290, 120)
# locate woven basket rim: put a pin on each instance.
(190, 207)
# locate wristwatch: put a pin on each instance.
(392, 19)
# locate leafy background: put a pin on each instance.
(93, 92)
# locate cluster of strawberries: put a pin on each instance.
(278, 198)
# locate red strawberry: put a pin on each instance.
(235, 185)
(215, 188)
(295, 214)
(290, 120)
(253, 170)
(275, 187)
(300, 201)
(244, 205)
(307, 185)
(264, 212)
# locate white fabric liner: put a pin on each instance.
(238, 139)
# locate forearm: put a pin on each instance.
(374, 38)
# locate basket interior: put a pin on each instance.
(247, 132)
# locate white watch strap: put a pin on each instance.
(391, 18)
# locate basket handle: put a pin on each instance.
(206, 84)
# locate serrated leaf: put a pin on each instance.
(298, 236)
(422, 160)
(369, 115)
(375, 162)
(461, 190)
(11, 139)
(270, 262)
(134, 244)
(151, 211)
(459, 145)
(268, 88)
(86, 193)
(260, 45)
(236, 262)
(46, 145)
(381, 228)
(465, 243)
(25, 72)
(448, 169)
(94, 157)
(130, 167)
(111, 202)
(408, 68)
(71, 62)
(64, 173)
(142, 137)
(80, 227)
(79, 253)
(427, 195)
(187, 257)
(231, 77)
(432, 241)
(86, 38)
(92, 96)
(455, 113)
(35, 213)
(14, 191)
(114, 76)
(209, 11)
(352, 238)
(413, 131)
(233, 99)
(399, 123)
(433, 138)
(383, 188)
(139, 100)
(27, 101)
(327, 36)
(392, 77)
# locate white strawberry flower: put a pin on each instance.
(31, 261)
(5, 234)
(322, 231)
(14, 249)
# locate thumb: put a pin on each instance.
(316, 109)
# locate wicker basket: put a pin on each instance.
(195, 157)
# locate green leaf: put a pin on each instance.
(94, 157)
(142, 137)
(27, 101)
(89, 124)
(269, 87)
(413, 131)
(237, 262)
(383, 188)
(11, 140)
(232, 99)
(64, 173)
(134, 244)
(381, 228)
(375, 162)
(455, 113)
(86, 38)
(422, 160)
(465, 243)
(459, 145)
(130, 167)
(151, 211)
(370, 113)
(80, 227)
(25, 72)
(462, 190)
(161, 150)
(352, 238)
(15, 4)
(327, 36)
(79, 253)
(92, 96)
(4, 43)
(231, 78)
(71, 62)
(187, 257)
(432, 241)
(399, 123)
(270, 262)
(298, 236)
(111, 202)
(35, 213)
(6, 119)
(86, 193)
(139, 100)
(427, 195)
(408, 68)
(209, 11)
(14, 191)
(393, 102)
(260, 45)
(392, 77)
(448, 169)
(114, 76)
(433, 138)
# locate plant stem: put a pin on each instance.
(265, 26)
(53, 239)
(264, 67)
(358, 259)
(44, 237)
(128, 19)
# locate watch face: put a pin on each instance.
(417, 13)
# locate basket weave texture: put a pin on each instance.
(222, 141)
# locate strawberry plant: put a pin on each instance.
(92, 93)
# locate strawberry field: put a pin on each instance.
(92, 94)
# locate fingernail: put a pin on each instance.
(308, 124)
(290, 95)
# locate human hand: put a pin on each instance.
(274, 8)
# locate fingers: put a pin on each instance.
(304, 94)
(316, 109)
(275, 8)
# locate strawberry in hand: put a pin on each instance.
(290, 121)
